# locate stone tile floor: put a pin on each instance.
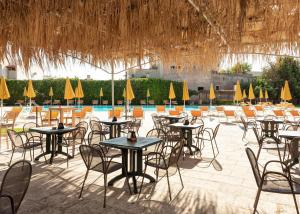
(225, 186)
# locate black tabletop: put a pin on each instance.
(118, 122)
(182, 126)
(49, 130)
(172, 116)
(123, 143)
(268, 120)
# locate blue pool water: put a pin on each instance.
(145, 108)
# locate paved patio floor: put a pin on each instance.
(224, 186)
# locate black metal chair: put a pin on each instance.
(247, 125)
(14, 186)
(159, 133)
(95, 125)
(97, 138)
(209, 134)
(163, 161)
(272, 181)
(20, 141)
(95, 160)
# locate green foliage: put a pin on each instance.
(238, 68)
(159, 89)
(274, 75)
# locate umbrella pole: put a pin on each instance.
(147, 101)
(112, 88)
(184, 105)
(170, 103)
(51, 100)
(30, 101)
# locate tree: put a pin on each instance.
(285, 68)
(241, 68)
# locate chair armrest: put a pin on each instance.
(11, 200)
(278, 162)
(275, 173)
(158, 156)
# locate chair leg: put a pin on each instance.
(212, 146)
(30, 154)
(67, 157)
(105, 188)
(44, 154)
(256, 200)
(180, 176)
(12, 154)
(216, 146)
(142, 181)
(259, 150)
(169, 185)
(85, 177)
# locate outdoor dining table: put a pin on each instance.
(294, 137)
(172, 118)
(269, 128)
(187, 134)
(61, 113)
(51, 140)
(135, 152)
(114, 127)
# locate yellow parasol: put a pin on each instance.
(185, 93)
(100, 95)
(238, 96)
(211, 93)
(286, 91)
(69, 93)
(282, 93)
(244, 94)
(4, 93)
(266, 95)
(251, 93)
(30, 91)
(124, 93)
(129, 91)
(51, 94)
(80, 93)
(261, 94)
(148, 95)
(171, 93)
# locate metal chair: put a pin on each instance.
(209, 134)
(247, 125)
(272, 181)
(14, 186)
(95, 125)
(159, 133)
(17, 141)
(162, 160)
(95, 160)
(95, 138)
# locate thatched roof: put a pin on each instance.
(191, 31)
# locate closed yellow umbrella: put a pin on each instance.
(266, 95)
(238, 96)
(100, 94)
(171, 93)
(30, 91)
(124, 93)
(244, 94)
(80, 93)
(282, 93)
(129, 91)
(148, 95)
(211, 93)
(261, 94)
(251, 95)
(51, 94)
(25, 92)
(69, 93)
(4, 93)
(76, 92)
(185, 93)
(286, 91)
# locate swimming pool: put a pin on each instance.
(145, 107)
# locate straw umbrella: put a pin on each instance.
(100, 95)
(51, 94)
(148, 95)
(238, 96)
(80, 93)
(251, 95)
(185, 93)
(286, 92)
(261, 94)
(30, 91)
(266, 95)
(4, 93)
(69, 93)
(171, 94)
(211, 93)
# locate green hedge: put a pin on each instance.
(159, 89)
